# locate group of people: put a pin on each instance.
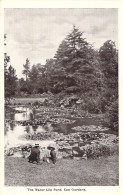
(35, 154)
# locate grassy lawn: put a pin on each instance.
(66, 172)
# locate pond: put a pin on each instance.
(24, 121)
(24, 114)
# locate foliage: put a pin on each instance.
(73, 89)
(10, 77)
(98, 150)
(74, 65)
(26, 68)
(10, 82)
(109, 63)
(6, 61)
(109, 66)
(76, 69)
(35, 82)
(37, 78)
(113, 115)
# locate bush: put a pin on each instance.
(96, 151)
(113, 115)
(95, 105)
(72, 89)
(93, 102)
(36, 103)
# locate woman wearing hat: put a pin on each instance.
(35, 154)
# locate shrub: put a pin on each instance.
(36, 103)
(113, 115)
(72, 89)
(95, 151)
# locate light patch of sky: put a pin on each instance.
(37, 33)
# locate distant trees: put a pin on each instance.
(10, 78)
(109, 66)
(26, 68)
(22, 86)
(109, 63)
(76, 69)
(11, 82)
(37, 78)
(35, 81)
(6, 61)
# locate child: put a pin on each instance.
(53, 155)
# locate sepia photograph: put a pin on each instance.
(61, 97)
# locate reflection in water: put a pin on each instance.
(15, 133)
(35, 127)
(31, 130)
(12, 126)
(12, 116)
(27, 129)
(33, 112)
(25, 115)
(6, 128)
(31, 116)
(17, 136)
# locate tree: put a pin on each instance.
(113, 115)
(10, 77)
(22, 86)
(37, 78)
(11, 84)
(81, 63)
(26, 68)
(34, 79)
(6, 61)
(49, 74)
(74, 64)
(108, 52)
(109, 66)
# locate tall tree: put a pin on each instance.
(26, 68)
(50, 81)
(6, 61)
(109, 66)
(10, 77)
(11, 84)
(74, 64)
(22, 85)
(37, 78)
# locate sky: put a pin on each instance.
(36, 33)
